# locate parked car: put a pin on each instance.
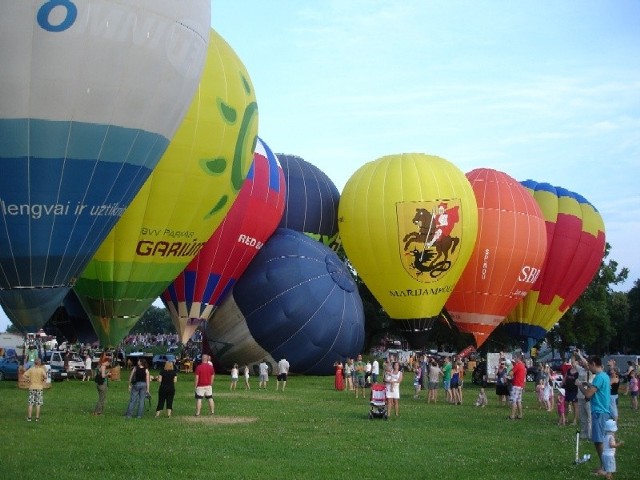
(9, 368)
(56, 360)
(159, 360)
(57, 373)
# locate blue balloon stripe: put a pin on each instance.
(51, 139)
(56, 212)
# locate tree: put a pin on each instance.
(154, 321)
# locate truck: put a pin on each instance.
(485, 371)
(12, 344)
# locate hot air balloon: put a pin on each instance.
(71, 321)
(91, 92)
(507, 258)
(408, 224)
(296, 300)
(312, 200)
(178, 208)
(198, 290)
(575, 249)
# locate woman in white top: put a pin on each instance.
(393, 379)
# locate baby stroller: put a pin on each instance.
(378, 402)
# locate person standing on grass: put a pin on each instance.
(599, 395)
(139, 381)
(417, 371)
(87, 368)
(446, 378)
(246, 378)
(375, 370)
(167, 390)
(634, 388)
(234, 377)
(435, 372)
(263, 369)
(393, 379)
(360, 370)
(518, 379)
(36, 376)
(283, 372)
(614, 380)
(101, 385)
(584, 407)
(204, 378)
(609, 449)
(571, 390)
(453, 385)
(348, 366)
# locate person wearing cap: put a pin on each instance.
(609, 448)
(598, 393)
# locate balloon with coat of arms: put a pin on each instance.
(408, 224)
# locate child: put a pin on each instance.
(548, 395)
(540, 394)
(481, 401)
(246, 378)
(234, 377)
(634, 388)
(609, 446)
(562, 418)
(417, 381)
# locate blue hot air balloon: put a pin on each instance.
(312, 200)
(91, 93)
(71, 321)
(296, 300)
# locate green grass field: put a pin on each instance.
(310, 431)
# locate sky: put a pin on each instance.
(541, 90)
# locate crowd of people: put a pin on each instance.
(587, 395)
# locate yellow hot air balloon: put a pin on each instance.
(408, 224)
(181, 204)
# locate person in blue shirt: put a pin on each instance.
(598, 392)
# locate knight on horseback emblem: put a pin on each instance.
(428, 231)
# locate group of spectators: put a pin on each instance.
(148, 340)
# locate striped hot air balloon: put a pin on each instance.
(195, 294)
(181, 204)
(91, 93)
(575, 249)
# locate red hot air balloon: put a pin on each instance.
(195, 294)
(507, 258)
(575, 249)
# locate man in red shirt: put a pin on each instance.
(204, 376)
(518, 377)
